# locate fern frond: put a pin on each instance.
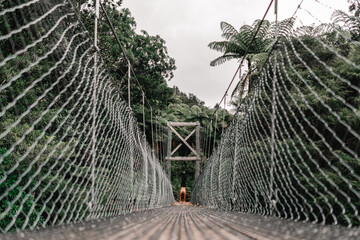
(304, 30)
(219, 46)
(284, 28)
(263, 30)
(228, 36)
(227, 28)
(349, 22)
(223, 59)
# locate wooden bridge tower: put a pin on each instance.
(196, 151)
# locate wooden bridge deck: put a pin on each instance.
(184, 221)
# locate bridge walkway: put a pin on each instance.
(188, 222)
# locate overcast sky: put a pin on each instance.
(188, 26)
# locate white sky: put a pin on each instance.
(188, 26)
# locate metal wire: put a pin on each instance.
(70, 147)
(292, 150)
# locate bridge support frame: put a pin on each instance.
(196, 151)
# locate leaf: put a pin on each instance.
(228, 28)
(223, 59)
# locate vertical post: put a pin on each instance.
(168, 163)
(152, 130)
(154, 186)
(93, 138)
(215, 127)
(221, 173)
(157, 140)
(197, 162)
(131, 163)
(209, 151)
(146, 172)
(272, 196)
(129, 79)
(160, 175)
(223, 118)
(234, 165)
(143, 110)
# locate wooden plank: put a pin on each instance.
(197, 164)
(182, 139)
(168, 164)
(183, 124)
(181, 158)
(178, 146)
(216, 223)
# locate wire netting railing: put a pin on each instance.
(292, 150)
(70, 147)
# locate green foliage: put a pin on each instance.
(45, 175)
(316, 125)
(316, 157)
(188, 108)
(19, 204)
(147, 54)
(245, 44)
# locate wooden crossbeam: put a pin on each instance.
(182, 139)
(182, 158)
(178, 146)
(184, 124)
(196, 158)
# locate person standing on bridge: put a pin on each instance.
(183, 184)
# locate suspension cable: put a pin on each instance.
(131, 70)
(143, 110)
(245, 55)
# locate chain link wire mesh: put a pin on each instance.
(65, 155)
(292, 150)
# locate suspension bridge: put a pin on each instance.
(74, 163)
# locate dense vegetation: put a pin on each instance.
(50, 161)
(153, 67)
(311, 88)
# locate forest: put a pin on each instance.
(152, 68)
(299, 146)
(46, 118)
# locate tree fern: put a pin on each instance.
(228, 28)
(223, 59)
(348, 22)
